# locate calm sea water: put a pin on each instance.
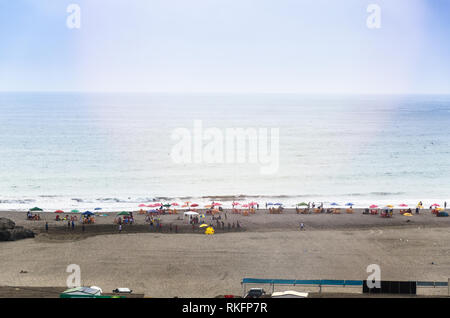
(113, 151)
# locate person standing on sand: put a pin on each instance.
(46, 227)
(73, 225)
(302, 226)
(82, 227)
(445, 205)
(120, 228)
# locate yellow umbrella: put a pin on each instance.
(407, 214)
(203, 225)
(209, 231)
(390, 205)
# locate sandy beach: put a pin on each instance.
(191, 264)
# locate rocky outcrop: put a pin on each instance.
(10, 232)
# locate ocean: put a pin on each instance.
(114, 151)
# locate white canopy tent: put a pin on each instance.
(190, 214)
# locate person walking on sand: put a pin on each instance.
(302, 226)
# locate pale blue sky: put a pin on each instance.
(301, 46)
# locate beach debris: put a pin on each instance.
(23, 272)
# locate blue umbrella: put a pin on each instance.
(278, 204)
(88, 213)
(97, 209)
(334, 203)
(349, 204)
(270, 203)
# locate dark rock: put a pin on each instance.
(10, 232)
(6, 224)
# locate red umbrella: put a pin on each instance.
(175, 204)
(245, 206)
(403, 205)
(59, 211)
(435, 204)
(253, 203)
(194, 204)
(373, 206)
(157, 204)
(142, 205)
(217, 204)
(236, 203)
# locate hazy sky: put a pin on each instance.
(304, 46)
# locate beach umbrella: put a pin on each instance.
(435, 204)
(235, 203)
(204, 225)
(157, 204)
(209, 230)
(390, 206)
(245, 206)
(278, 204)
(36, 209)
(403, 205)
(59, 211)
(124, 213)
(373, 206)
(142, 205)
(216, 204)
(167, 205)
(304, 204)
(349, 204)
(175, 204)
(97, 209)
(88, 213)
(75, 211)
(270, 203)
(334, 204)
(194, 205)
